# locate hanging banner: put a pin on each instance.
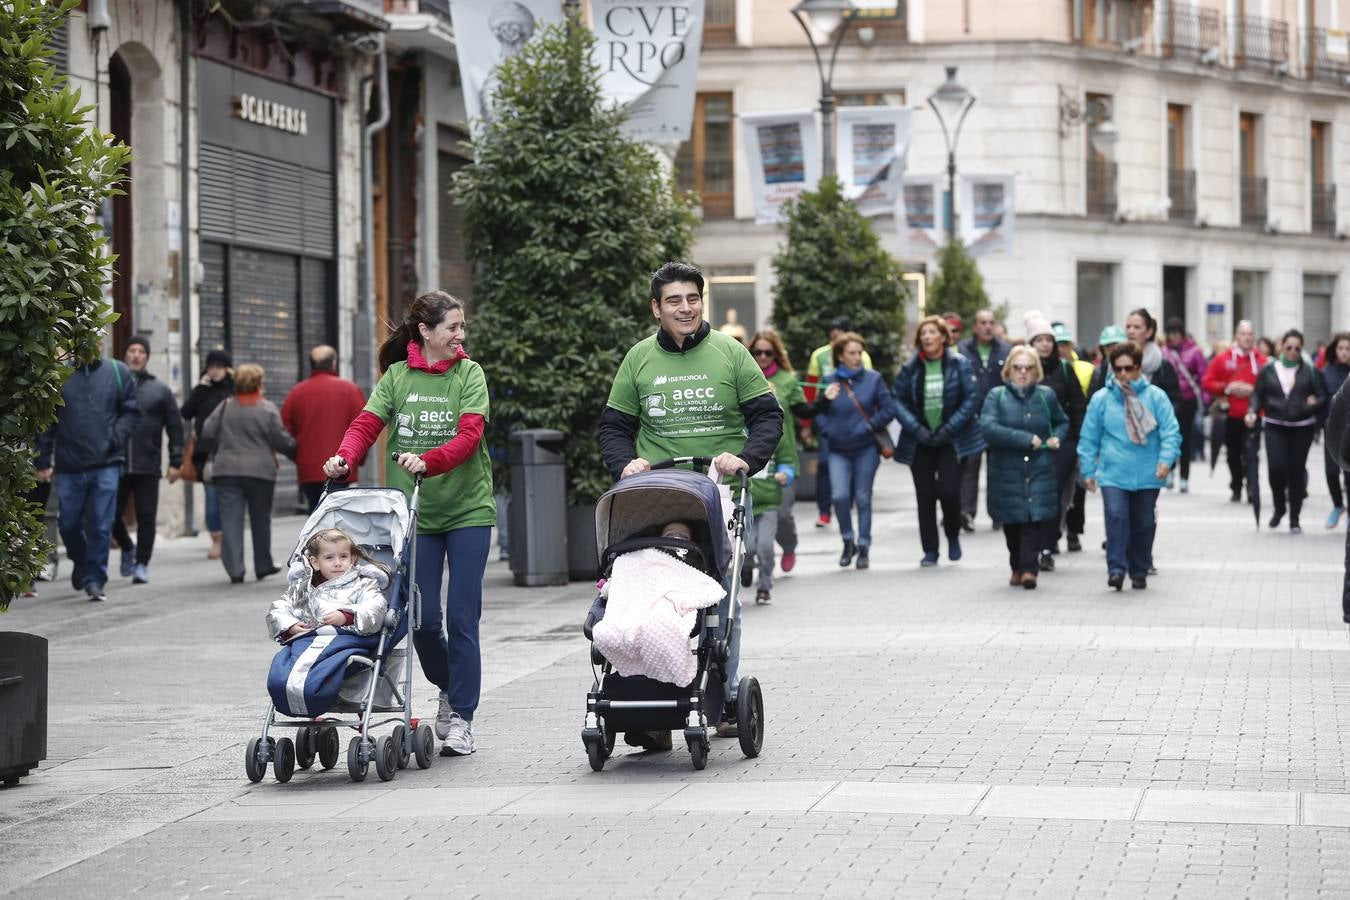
(647, 51)
(987, 217)
(782, 152)
(487, 33)
(920, 214)
(873, 144)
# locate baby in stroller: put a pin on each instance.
(335, 584)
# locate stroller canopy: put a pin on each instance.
(651, 499)
(372, 516)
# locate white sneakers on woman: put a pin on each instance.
(454, 731)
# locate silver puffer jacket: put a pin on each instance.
(357, 591)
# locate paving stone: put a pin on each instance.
(1229, 807)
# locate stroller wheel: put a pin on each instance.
(283, 765)
(424, 746)
(358, 760)
(386, 758)
(595, 751)
(255, 759)
(400, 735)
(750, 717)
(304, 747)
(697, 740)
(329, 746)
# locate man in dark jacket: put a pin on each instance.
(140, 474)
(986, 354)
(98, 413)
(316, 413)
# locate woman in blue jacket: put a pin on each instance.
(854, 406)
(1024, 425)
(936, 402)
(1129, 443)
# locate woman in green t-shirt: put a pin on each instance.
(772, 358)
(434, 401)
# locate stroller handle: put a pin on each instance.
(417, 479)
(697, 463)
(328, 482)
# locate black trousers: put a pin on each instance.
(937, 479)
(1025, 542)
(314, 491)
(1076, 520)
(1287, 459)
(1186, 411)
(1234, 442)
(970, 483)
(238, 494)
(1335, 477)
(145, 490)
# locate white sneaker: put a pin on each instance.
(459, 739)
(443, 716)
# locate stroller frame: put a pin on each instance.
(606, 715)
(318, 737)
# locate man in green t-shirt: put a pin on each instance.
(689, 391)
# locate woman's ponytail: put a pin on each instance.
(428, 309)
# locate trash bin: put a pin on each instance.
(23, 704)
(538, 518)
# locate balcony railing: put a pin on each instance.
(1253, 201)
(1324, 208)
(1259, 43)
(1321, 65)
(719, 23)
(1181, 191)
(1101, 188)
(1189, 30)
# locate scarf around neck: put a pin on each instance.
(1139, 422)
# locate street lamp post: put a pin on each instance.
(951, 103)
(828, 17)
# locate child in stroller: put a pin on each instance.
(333, 583)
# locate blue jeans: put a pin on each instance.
(822, 475)
(856, 470)
(1129, 530)
(88, 505)
(447, 646)
(212, 508)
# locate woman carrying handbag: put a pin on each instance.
(853, 412)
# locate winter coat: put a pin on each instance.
(1333, 376)
(1229, 366)
(1023, 483)
(1105, 451)
(1187, 356)
(358, 591)
(1270, 402)
(159, 413)
(98, 412)
(198, 408)
(316, 412)
(960, 408)
(988, 376)
(245, 440)
(840, 421)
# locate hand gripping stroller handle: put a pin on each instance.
(690, 462)
(328, 482)
(417, 479)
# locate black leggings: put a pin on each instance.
(1025, 542)
(937, 479)
(1287, 459)
(1186, 410)
(1234, 443)
(1334, 479)
(145, 488)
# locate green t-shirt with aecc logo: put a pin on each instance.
(790, 394)
(932, 393)
(688, 404)
(421, 411)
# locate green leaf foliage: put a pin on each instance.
(958, 286)
(833, 265)
(566, 221)
(55, 171)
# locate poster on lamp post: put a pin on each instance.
(987, 218)
(920, 214)
(873, 144)
(782, 152)
(487, 33)
(647, 51)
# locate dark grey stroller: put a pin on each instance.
(624, 520)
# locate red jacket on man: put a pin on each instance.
(1229, 366)
(317, 412)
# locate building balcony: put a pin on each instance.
(1324, 209)
(719, 23)
(1101, 188)
(1181, 191)
(1253, 201)
(1325, 57)
(1188, 31)
(1259, 44)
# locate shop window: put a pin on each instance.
(730, 301)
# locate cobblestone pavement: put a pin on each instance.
(930, 733)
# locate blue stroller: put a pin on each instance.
(364, 677)
(626, 518)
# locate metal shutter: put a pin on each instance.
(211, 333)
(59, 46)
(316, 304)
(251, 199)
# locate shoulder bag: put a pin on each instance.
(208, 468)
(885, 446)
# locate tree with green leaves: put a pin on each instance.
(958, 285)
(55, 171)
(832, 264)
(566, 220)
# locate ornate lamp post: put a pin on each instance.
(827, 17)
(950, 103)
